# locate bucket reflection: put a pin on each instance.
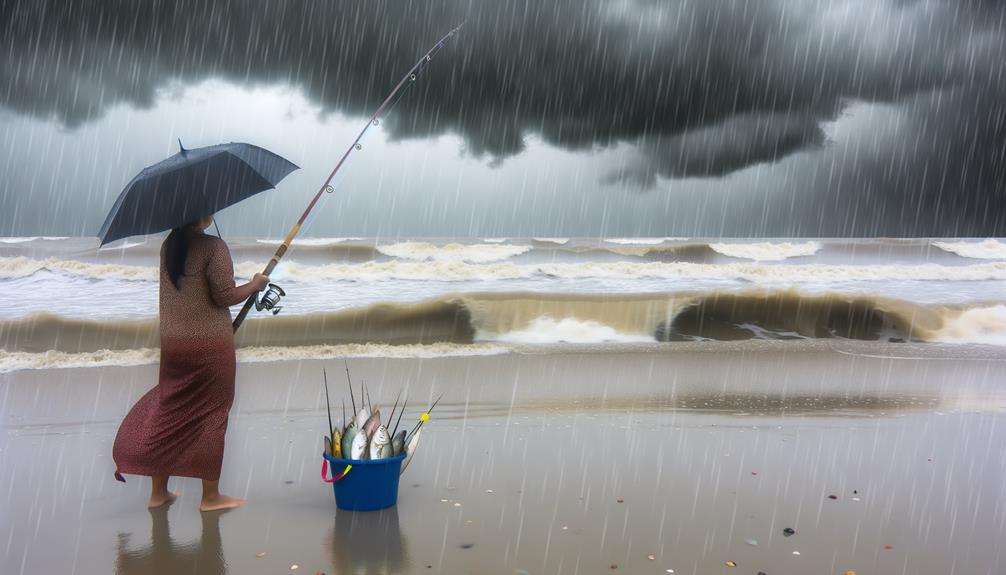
(368, 542)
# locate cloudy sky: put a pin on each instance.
(542, 117)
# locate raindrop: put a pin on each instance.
(359, 146)
(412, 77)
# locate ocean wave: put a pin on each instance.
(559, 241)
(767, 251)
(643, 241)
(536, 318)
(21, 266)
(454, 252)
(986, 250)
(455, 271)
(17, 361)
(494, 240)
(314, 242)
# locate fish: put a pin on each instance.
(336, 445)
(398, 443)
(358, 450)
(410, 449)
(328, 444)
(387, 451)
(373, 422)
(379, 441)
(347, 439)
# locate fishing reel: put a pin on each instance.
(269, 299)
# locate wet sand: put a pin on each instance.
(577, 462)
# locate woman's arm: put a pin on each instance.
(220, 273)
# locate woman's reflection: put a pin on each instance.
(163, 555)
(369, 542)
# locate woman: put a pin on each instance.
(178, 427)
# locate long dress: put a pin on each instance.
(178, 427)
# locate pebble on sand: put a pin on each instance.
(850, 573)
(833, 497)
(294, 567)
(888, 547)
(796, 553)
(752, 542)
(731, 564)
(789, 531)
(614, 566)
(651, 557)
(260, 554)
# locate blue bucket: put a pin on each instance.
(363, 485)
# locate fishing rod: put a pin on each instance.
(273, 294)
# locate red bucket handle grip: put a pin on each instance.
(324, 472)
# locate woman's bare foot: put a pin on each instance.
(219, 501)
(161, 499)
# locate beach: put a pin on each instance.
(594, 458)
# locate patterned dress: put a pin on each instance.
(178, 427)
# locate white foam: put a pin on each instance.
(986, 250)
(311, 241)
(124, 246)
(494, 240)
(767, 251)
(643, 241)
(981, 325)
(560, 241)
(546, 329)
(31, 239)
(454, 252)
(17, 361)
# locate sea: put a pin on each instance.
(65, 302)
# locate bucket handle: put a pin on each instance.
(324, 472)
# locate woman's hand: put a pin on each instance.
(259, 282)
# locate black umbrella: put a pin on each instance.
(192, 184)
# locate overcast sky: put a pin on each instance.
(541, 118)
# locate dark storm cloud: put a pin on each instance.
(701, 88)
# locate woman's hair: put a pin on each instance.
(176, 250)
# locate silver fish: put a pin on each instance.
(410, 449)
(387, 451)
(358, 450)
(398, 443)
(347, 439)
(379, 441)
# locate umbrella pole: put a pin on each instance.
(408, 77)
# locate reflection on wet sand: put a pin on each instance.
(368, 542)
(164, 555)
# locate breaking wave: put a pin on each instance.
(554, 318)
(454, 252)
(31, 239)
(558, 241)
(986, 250)
(755, 273)
(767, 251)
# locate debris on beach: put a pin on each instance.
(788, 531)
(364, 435)
(833, 497)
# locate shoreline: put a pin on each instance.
(544, 463)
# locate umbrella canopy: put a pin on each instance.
(192, 184)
